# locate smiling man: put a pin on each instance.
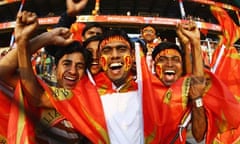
(168, 62)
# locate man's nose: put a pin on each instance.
(114, 53)
(73, 69)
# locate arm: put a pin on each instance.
(25, 25)
(199, 121)
(69, 17)
(186, 48)
(9, 74)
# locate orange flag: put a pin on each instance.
(20, 126)
(230, 30)
(77, 106)
(5, 103)
(227, 68)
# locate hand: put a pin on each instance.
(183, 39)
(189, 29)
(59, 36)
(26, 24)
(75, 6)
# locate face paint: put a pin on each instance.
(159, 71)
(128, 62)
(169, 52)
(103, 62)
(112, 39)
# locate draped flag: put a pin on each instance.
(78, 107)
(227, 68)
(20, 126)
(5, 103)
(226, 64)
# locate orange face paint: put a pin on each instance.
(128, 62)
(103, 62)
(169, 52)
(158, 69)
(112, 39)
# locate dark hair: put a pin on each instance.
(59, 51)
(91, 25)
(91, 39)
(117, 32)
(168, 45)
(149, 25)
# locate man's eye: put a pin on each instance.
(106, 49)
(176, 59)
(80, 66)
(66, 64)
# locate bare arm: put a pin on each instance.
(26, 24)
(8, 72)
(199, 121)
(186, 47)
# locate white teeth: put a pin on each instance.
(70, 78)
(94, 63)
(169, 72)
(115, 65)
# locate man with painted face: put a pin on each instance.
(169, 61)
(189, 97)
(109, 111)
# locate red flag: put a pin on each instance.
(77, 107)
(227, 68)
(5, 103)
(20, 127)
(230, 30)
(76, 29)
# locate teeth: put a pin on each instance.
(70, 78)
(169, 72)
(94, 63)
(115, 65)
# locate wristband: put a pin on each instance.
(198, 102)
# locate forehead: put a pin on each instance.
(94, 29)
(148, 28)
(75, 57)
(114, 41)
(169, 52)
(93, 44)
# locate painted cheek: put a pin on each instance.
(103, 61)
(159, 71)
(127, 61)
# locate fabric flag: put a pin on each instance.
(20, 126)
(76, 29)
(5, 103)
(230, 30)
(86, 117)
(227, 68)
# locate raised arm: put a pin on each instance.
(8, 72)
(25, 25)
(73, 9)
(199, 121)
(185, 43)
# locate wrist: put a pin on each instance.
(197, 102)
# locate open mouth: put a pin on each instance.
(169, 72)
(95, 63)
(169, 76)
(70, 79)
(115, 66)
